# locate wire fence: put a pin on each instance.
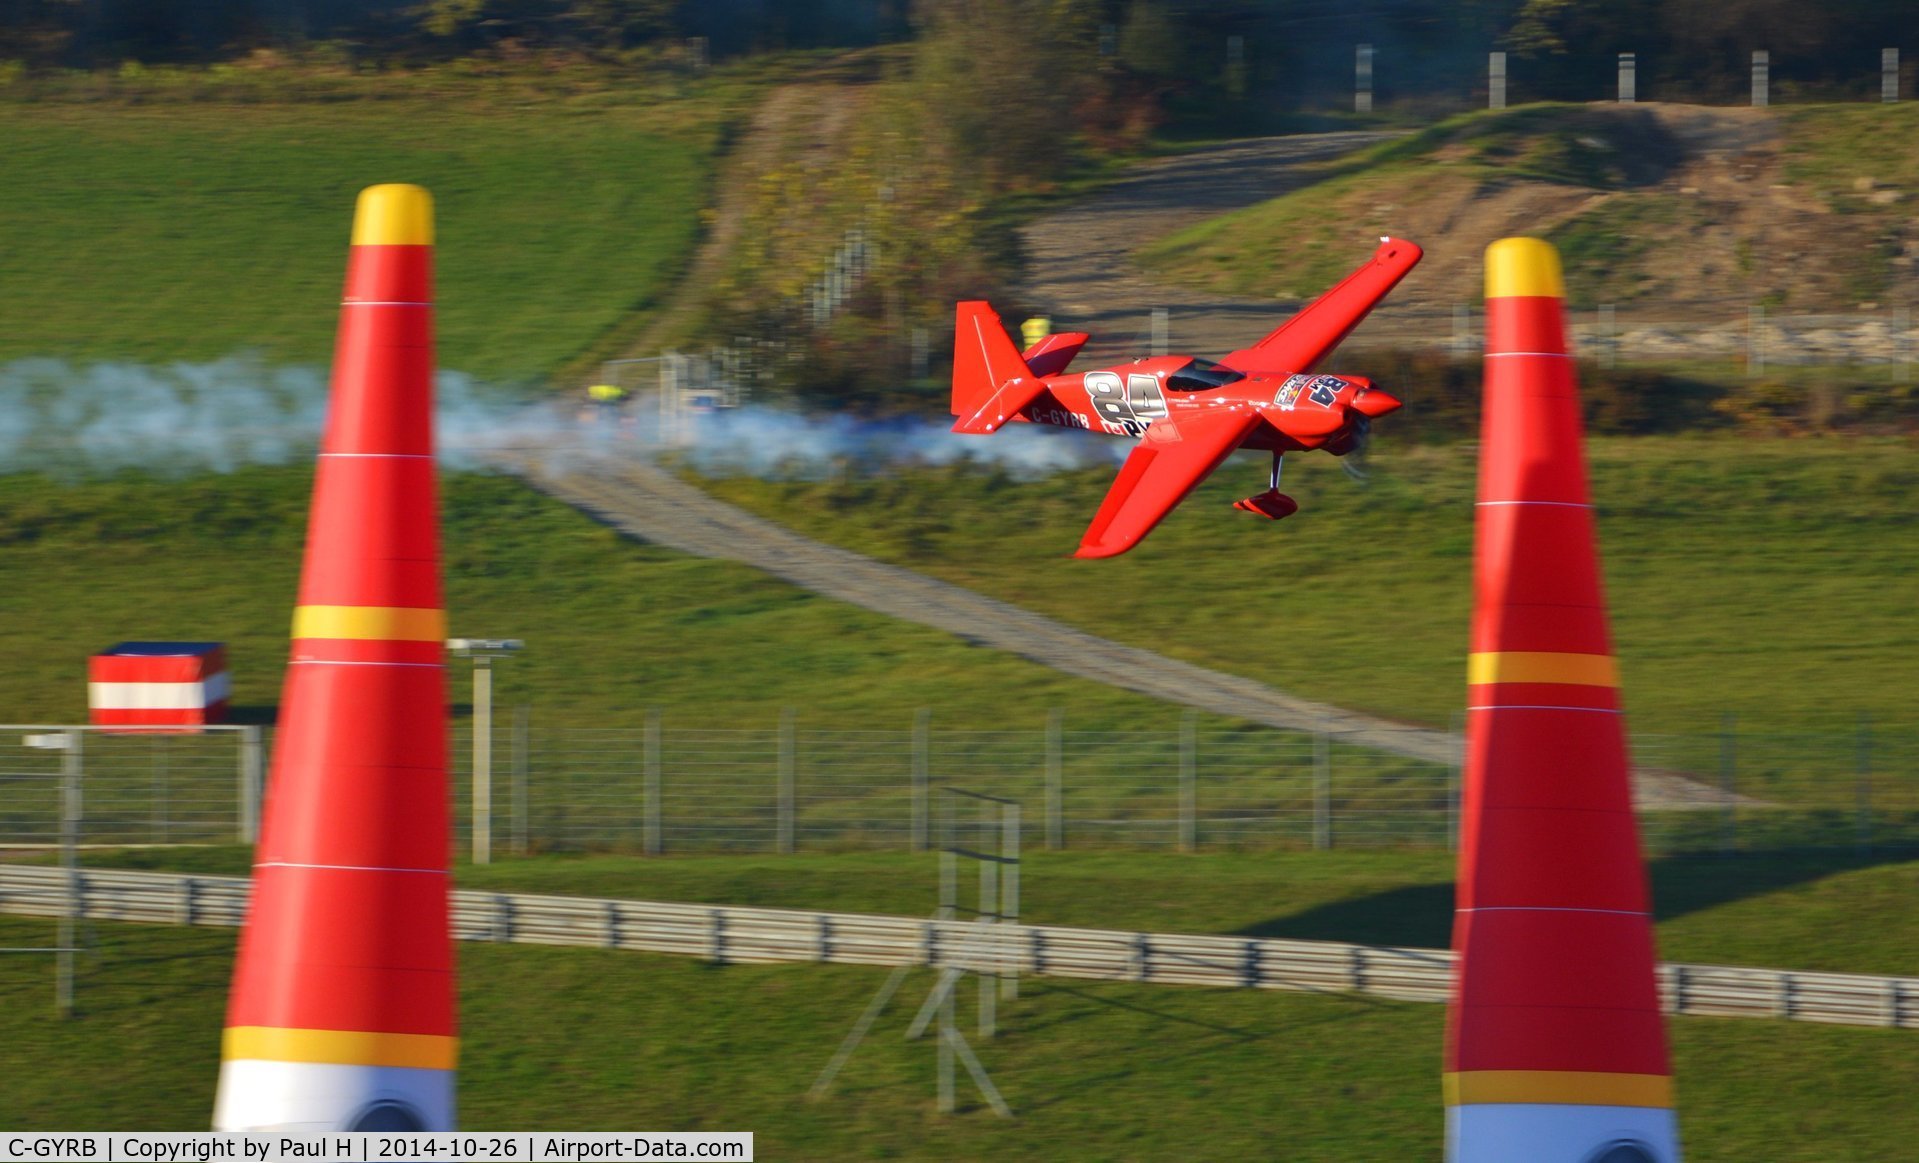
(796, 784)
(137, 788)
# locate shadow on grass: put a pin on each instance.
(1421, 915)
(1133, 1064)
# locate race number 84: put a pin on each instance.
(1125, 406)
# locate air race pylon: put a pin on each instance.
(342, 1011)
(1555, 1047)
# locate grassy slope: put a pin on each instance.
(1300, 242)
(1612, 247)
(612, 626)
(190, 231)
(1745, 576)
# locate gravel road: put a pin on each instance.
(1080, 257)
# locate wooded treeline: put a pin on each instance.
(1289, 52)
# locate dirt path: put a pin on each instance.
(1080, 258)
(803, 120)
(645, 502)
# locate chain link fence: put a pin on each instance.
(797, 784)
(137, 788)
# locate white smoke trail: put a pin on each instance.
(181, 418)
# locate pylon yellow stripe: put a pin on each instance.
(1569, 1087)
(340, 1047)
(393, 215)
(1523, 266)
(387, 623)
(1542, 666)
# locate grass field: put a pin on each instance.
(563, 1038)
(191, 231)
(1837, 913)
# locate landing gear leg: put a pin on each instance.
(1271, 503)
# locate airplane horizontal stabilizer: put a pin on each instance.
(1050, 355)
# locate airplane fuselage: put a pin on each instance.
(1299, 411)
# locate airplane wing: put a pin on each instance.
(1173, 456)
(1308, 337)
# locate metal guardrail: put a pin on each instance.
(763, 936)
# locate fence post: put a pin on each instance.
(522, 761)
(1189, 781)
(1889, 75)
(1162, 328)
(69, 929)
(159, 812)
(1462, 329)
(1863, 759)
(1009, 897)
(988, 961)
(650, 774)
(1496, 80)
(1902, 340)
(1322, 788)
(1363, 79)
(1608, 343)
(1455, 782)
(1055, 792)
(1728, 761)
(922, 772)
(1761, 78)
(786, 761)
(482, 815)
(250, 767)
(1628, 78)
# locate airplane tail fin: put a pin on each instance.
(984, 360)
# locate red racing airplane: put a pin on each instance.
(1188, 414)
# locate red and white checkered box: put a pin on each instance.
(158, 684)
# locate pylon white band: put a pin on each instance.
(316, 1098)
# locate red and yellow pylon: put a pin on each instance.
(342, 1015)
(1555, 1048)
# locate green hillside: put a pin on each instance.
(612, 626)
